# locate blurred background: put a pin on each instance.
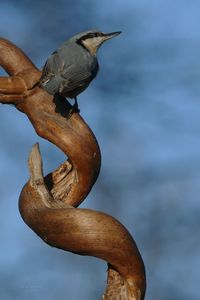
(144, 109)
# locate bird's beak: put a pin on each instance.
(111, 35)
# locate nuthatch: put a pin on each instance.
(71, 68)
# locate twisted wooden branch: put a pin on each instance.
(47, 204)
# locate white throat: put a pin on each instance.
(92, 44)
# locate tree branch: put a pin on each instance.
(47, 204)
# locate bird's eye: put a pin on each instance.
(89, 36)
(93, 34)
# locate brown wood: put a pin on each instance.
(48, 204)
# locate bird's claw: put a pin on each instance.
(75, 106)
(73, 109)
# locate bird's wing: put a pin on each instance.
(65, 73)
(73, 77)
(52, 66)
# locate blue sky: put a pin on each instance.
(144, 110)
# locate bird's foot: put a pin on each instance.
(75, 106)
(73, 109)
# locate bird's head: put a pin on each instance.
(93, 39)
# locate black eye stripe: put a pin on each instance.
(91, 35)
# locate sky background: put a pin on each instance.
(144, 109)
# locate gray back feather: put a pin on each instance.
(68, 68)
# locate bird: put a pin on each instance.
(70, 69)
